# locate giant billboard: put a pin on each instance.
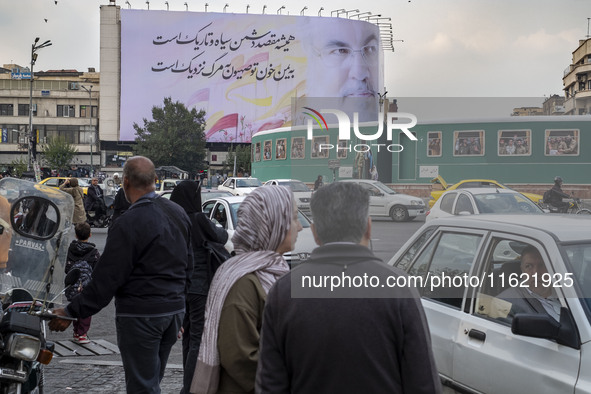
(242, 69)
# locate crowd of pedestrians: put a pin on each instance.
(243, 330)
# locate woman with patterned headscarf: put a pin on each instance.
(267, 227)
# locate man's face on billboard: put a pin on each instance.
(343, 60)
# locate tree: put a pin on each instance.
(243, 159)
(58, 153)
(19, 166)
(174, 137)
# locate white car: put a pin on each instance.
(482, 341)
(239, 186)
(301, 192)
(384, 201)
(473, 201)
(224, 211)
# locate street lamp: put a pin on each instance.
(166, 2)
(34, 48)
(303, 9)
(359, 15)
(128, 5)
(247, 7)
(320, 11)
(186, 6)
(347, 13)
(226, 6)
(264, 9)
(90, 124)
(279, 10)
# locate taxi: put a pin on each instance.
(472, 183)
(56, 182)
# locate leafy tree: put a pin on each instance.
(174, 137)
(19, 166)
(243, 159)
(58, 153)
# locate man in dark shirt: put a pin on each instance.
(350, 338)
(556, 196)
(146, 265)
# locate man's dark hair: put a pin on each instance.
(82, 231)
(340, 211)
(140, 171)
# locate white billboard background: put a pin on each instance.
(242, 69)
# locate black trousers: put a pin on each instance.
(193, 329)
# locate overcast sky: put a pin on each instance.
(484, 48)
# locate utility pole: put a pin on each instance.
(31, 135)
(90, 129)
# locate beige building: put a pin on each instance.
(65, 104)
(577, 81)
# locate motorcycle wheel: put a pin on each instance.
(584, 211)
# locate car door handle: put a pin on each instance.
(476, 334)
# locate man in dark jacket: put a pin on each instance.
(344, 334)
(146, 264)
(556, 196)
(94, 198)
(188, 195)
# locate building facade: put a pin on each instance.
(65, 103)
(577, 81)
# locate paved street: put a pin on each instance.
(104, 374)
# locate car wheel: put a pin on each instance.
(398, 213)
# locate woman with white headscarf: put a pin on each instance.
(267, 227)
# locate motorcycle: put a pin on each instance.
(105, 217)
(34, 239)
(575, 207)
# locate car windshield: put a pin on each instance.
(578, 259)
(211, 195)
(296, 186)
(253, 182)
(505, 203)
(383, 188)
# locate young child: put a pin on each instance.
(82, 255)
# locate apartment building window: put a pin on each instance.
(589, 84)
(66, 111)
(6, 110)
(84, 111)
(23, 110)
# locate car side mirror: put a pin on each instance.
(541, 325)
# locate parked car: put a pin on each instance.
(56, 182)
(384, 201)
(481, 343)
(473, 183)
(167, 185)
(240, 186)
(206, 194)
(224, 211)
(481, 200)
(301, 192)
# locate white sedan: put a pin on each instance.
(507, 300)
(240, 186)
(224, 211)
(473, 201)
(301, 192)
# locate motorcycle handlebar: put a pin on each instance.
(50, 316)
